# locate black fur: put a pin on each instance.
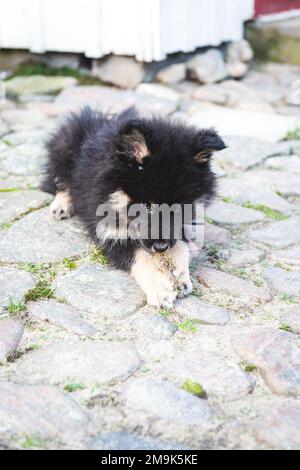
(92, 156)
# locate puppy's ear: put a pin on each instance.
(208, 142)
(134, 144)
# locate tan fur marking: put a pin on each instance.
(119, 200)
(61, 207)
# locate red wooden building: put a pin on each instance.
(266, 7)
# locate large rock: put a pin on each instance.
(38, 84)
(243, 153)
(208, 67)
(232, 214)
(123, 72)
(276, 354)
(39, 412)
(24, 160)
(128, 441)
(242, 192)
(217, 376)
(240, 95)
(159, 91)
(111, 100)
(279, 428)
(52, 241)
(282, 182)
(218, 235)
(14, 284)
(100, 291)
(60, 315)
(290, 256)
(15, 203)
(243, 122)
(163, 400)
(11, 332)
(154, 327)
(292, 319)
(192, 308)
(172, 74)
(87, 362)
(283, 282)
(239, 258)
(239, 51)
(291, 163)
(278, 234)
(231, 285)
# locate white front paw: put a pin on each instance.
(161, 294)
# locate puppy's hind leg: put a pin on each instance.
(62, 207)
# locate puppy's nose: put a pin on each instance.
(161, 247)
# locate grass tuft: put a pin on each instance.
(97, 256)
(15, 309)
(69, 264)
(189, 326)
(194, 388)
(271, 213)
(30, 69)
(286, 328)
(74, 387)
(42, 290)
(34, 443)
(293, 134)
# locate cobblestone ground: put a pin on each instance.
(85, 364)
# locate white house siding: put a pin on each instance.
(146, 29)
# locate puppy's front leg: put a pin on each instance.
(156, 285)
(61, 208)
(180, 254)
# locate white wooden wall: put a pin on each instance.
(146, 29)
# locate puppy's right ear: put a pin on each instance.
(208, 142)
(133, 144)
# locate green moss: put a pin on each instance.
(34, 443)
(97, 256)
(229, 200)
(248, 367)
(285, 328)
(293, 134)
(290, 299)
(268, 211)
(33, 347)
(30, 69)
(6, 141)
(194, 388)
(6, 226)
(9, 190)
(271, 44)
(42, 290)
(32, 268)
(74, 387)
(166, 313)
(16, 308)
(69, 264)
(189, 326)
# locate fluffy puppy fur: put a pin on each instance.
(128, 159)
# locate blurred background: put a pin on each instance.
(223, 63)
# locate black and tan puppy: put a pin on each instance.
(125, 160)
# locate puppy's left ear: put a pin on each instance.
(208, 142)
(134, 144)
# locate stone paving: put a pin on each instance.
(85, 364)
